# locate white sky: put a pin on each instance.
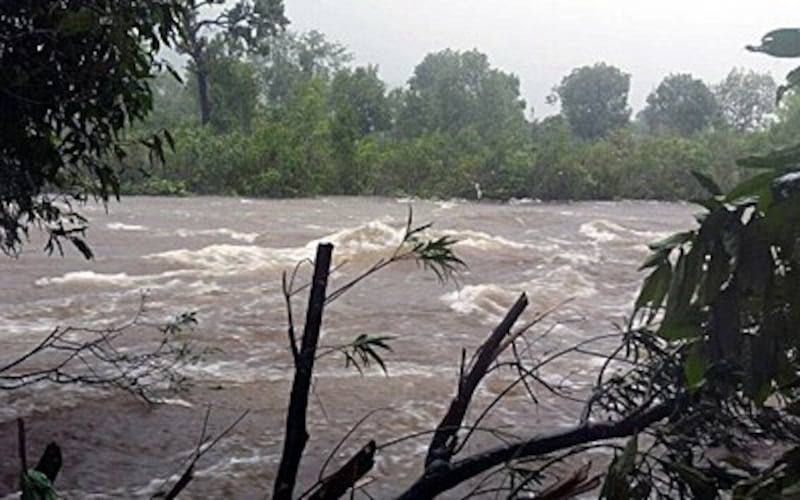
(542, 40)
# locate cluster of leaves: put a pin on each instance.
(722, 302)
(74, 77)
(36, 486)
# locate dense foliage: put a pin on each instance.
(212, 31)
(594, 100)
(74, 75)
(718, 315)
(299, 120)
(681, 104)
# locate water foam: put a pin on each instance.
(490, 301)
(604, 231)
(224, 259)
(119, 226)
(223, 231)
(89, 278)
(374, 236)
(448, 204)
(523, 201)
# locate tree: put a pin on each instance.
(363, 93)
(746, 99)
(174, 103)
(681, 104)
(74, 77)
(594, 100)
(452, 90)
(234, 97)
(295, 59)
(242, 28)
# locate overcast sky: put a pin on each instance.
(542, 40)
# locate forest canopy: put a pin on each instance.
(300, 119)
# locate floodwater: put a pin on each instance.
(223, 258)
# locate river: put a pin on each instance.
(223, 258)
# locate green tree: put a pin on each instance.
(452, 90)
(244, 27)
(234, 95)
(363, 93)
(359, 107)
(174, 103)
(594, 100)
(74, 76)
(294, 59)
(681, 104)
(747, 99)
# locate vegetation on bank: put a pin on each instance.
(298, 120)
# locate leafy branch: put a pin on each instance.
(362, 351)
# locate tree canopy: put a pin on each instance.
(293, 59)
(747, 99)
(244, 27)
(681, 104)
(452, 90)
(594, 100)
(74, 76)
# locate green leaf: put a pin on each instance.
(655, 259)
(694, 368)
(36, 486)
(783, 42)
(655, 287)
(617, 485)
(718, 272)
(751, 188)
(778, 159)
(792, 80)
(672, 241)
(700, 484)
(686, 276)
(707, 183)
(679, 331)
(76, 22)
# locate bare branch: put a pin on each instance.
(94, 357)
(443, 442)
(440, 479)
(337, 484)
(296, 433)
(202, 448)
(23, 455)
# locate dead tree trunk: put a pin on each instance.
(296, 432)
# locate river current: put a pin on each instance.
(223, 258)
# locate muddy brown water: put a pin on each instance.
(223, 258)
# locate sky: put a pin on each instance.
(541, 41)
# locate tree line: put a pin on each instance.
(272, 112)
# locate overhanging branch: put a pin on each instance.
(437, 480)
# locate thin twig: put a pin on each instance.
(23, 455)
